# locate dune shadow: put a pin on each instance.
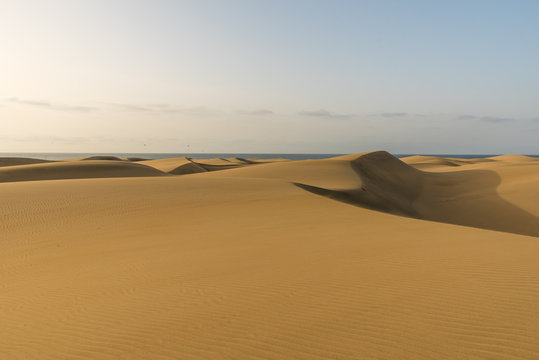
(462, 197)
(361, 198)
(471, 198)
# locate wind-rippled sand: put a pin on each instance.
(362, 256)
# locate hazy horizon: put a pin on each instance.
(269, 77)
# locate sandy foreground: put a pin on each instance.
(361, 256)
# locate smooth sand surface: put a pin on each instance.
(357, 257)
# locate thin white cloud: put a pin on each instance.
(325, 114)
(494, 119)
(130, 107)
(468, 117)
(258, 112)
(392, 114)
(51, 106)
(491, 119)
(166, 108)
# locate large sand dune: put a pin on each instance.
(314, 259)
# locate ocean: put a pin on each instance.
(60, 156)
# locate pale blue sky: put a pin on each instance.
(269, 76)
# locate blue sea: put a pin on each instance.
(60, 156)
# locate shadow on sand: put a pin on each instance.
(466, 197)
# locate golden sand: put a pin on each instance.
(357, 257)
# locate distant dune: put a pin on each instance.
(13, 161)
(76, 170)
(362, 256)
(177, 166)
(101, 157)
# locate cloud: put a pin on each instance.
(195, 110)
(130, 107)
(49, 139)
(493, 119)
(318, 113)
(75, 108)
(488, 119)
(30, 102)
(392, 114)
(325, 114)
(91, 139)
(468, 117)
(258, 112)
(51, 106)
(166, 108)
(149, 109)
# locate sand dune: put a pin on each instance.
(280, 260)
(184, 166)
(420, 161)
(102, 157)
(220, 164)
(381, 182)
(76, 170)
(13, 161)
(177, 166)
(239, 161)
(513, 158)
(264, 161)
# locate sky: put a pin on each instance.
(269, 76)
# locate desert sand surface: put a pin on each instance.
(362, 256)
